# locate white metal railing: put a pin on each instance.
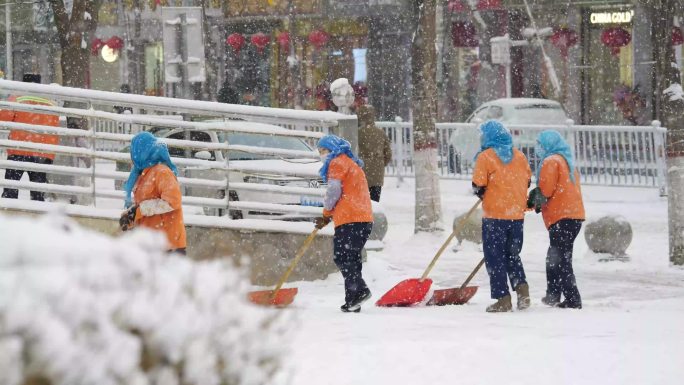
(108, 133)
(608, 155)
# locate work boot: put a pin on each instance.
(355, 304)
(550, 301)
(503, 304)
(523, 291)
(569, 305)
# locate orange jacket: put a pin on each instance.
(564, 197)
(354, 204)
(506, 194)
(31, 118)
(159, 182)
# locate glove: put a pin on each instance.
(479, 190)
(536, 199)
(127, 218)
(323, 221)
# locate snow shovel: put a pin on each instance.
(456, 296)
(282, 297)
(413, 290)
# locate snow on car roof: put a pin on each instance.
(521, 101)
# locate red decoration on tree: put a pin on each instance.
(115, 43)
(260, 40)
(677, 36)
(487, 5)
(458, 6)
(318, 38)
(615, 38)
(95, 46)
(563, 39)
(283, 39)
(236, 41)
(464, 34)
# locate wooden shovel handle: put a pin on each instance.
(475, 270)
(457, 230)
(294, 262)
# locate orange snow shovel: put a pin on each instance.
(456, 296)
(413, 290)
(282, 297)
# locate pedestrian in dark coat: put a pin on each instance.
(559, 196)
(501, 178)
(374, 149)
(348, 205)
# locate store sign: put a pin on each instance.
(621, 17)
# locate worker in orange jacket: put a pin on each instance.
(153, 195)
(501, 178)
(558, 196)
(347, 203)
(29, 136)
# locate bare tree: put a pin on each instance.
(670, 109)
(75, 29)
(424, 104)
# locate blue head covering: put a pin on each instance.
(146, 151)
(337, 146)
(495, 136)
(550, 142)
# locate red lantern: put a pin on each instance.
(564, 39)
(115, 43)
(615, 38)
(236, 41)
(677, 36)
(318, 38)
(260, 40)
(488, 5)
(458, 6)
(283, 39)
(463, 34)
(95, 46)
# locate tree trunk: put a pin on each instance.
(670, 111)
(424, 100)
(75, 30)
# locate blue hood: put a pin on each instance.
(551, 142)
(337, 146)
(495, 136)
(146, 151)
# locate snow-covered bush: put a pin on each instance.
(81, 308)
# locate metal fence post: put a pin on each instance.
(399, 137)
(661, 164)
(93, 148)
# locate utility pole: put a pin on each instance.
(428, 210)
(9, 65)
(670, 111)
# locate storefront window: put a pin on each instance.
(613, 96)
(153, 70)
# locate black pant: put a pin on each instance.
(347, 244)
(375, 192)
(560, 278)
(34, 176)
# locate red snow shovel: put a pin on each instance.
(456, 296)
(282, 297)
(412, 291)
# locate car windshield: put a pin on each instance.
(537, 114)
(257, 140)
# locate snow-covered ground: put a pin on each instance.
(629, 332)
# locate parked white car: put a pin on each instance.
(307, 168)
(465, 143)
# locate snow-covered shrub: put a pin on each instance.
(81, 308)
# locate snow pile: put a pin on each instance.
(78, 308)
(674, 92)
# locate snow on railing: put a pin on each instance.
(606, 155)
(218, 181)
